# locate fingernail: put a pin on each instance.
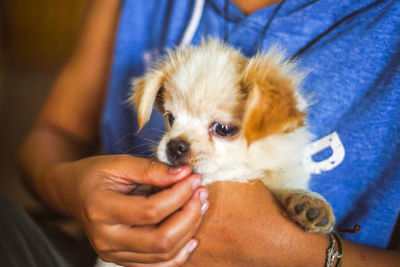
(192, 245)
(203, 196)
(196, 183)
(175, 170)
(204, 208)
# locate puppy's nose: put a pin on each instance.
(177, 151)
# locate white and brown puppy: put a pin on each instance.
(235, 119)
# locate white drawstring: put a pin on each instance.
(193, 24)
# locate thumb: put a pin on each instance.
(148, 171)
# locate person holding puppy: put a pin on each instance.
(352, 78)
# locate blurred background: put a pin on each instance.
(36, 37)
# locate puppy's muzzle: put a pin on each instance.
(177, 151)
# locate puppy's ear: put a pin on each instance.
(147, 91)
(271, 104)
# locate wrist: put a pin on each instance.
(307, 249)
(58, 187)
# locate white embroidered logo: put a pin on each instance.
(331, 141)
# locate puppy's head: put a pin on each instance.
(218, 104)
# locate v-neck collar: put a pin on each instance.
(234, 14)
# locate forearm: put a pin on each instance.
(358, 255)
(68, 125)
(44, 148)
(354, 254)
(245, 226)
(310, 249)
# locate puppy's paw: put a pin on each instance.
(309, 210)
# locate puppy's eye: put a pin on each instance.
(170, 118)
(223, 130)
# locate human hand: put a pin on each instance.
(128, 229)
(245, 226)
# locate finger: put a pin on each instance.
(184, 254)
(117, 208)
(177, 260)
(129, 256)
(158, 239)
(145, 171)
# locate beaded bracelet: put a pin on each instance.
(332, 253)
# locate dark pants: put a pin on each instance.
(23, 243)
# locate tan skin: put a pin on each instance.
(128, 230)
(246, 228)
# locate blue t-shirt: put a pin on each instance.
(351, 50)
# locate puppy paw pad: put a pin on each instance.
(323, 222)
(310, 212)
(299, 208)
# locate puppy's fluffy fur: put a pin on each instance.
(235, 119)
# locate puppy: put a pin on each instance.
(232, 118)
